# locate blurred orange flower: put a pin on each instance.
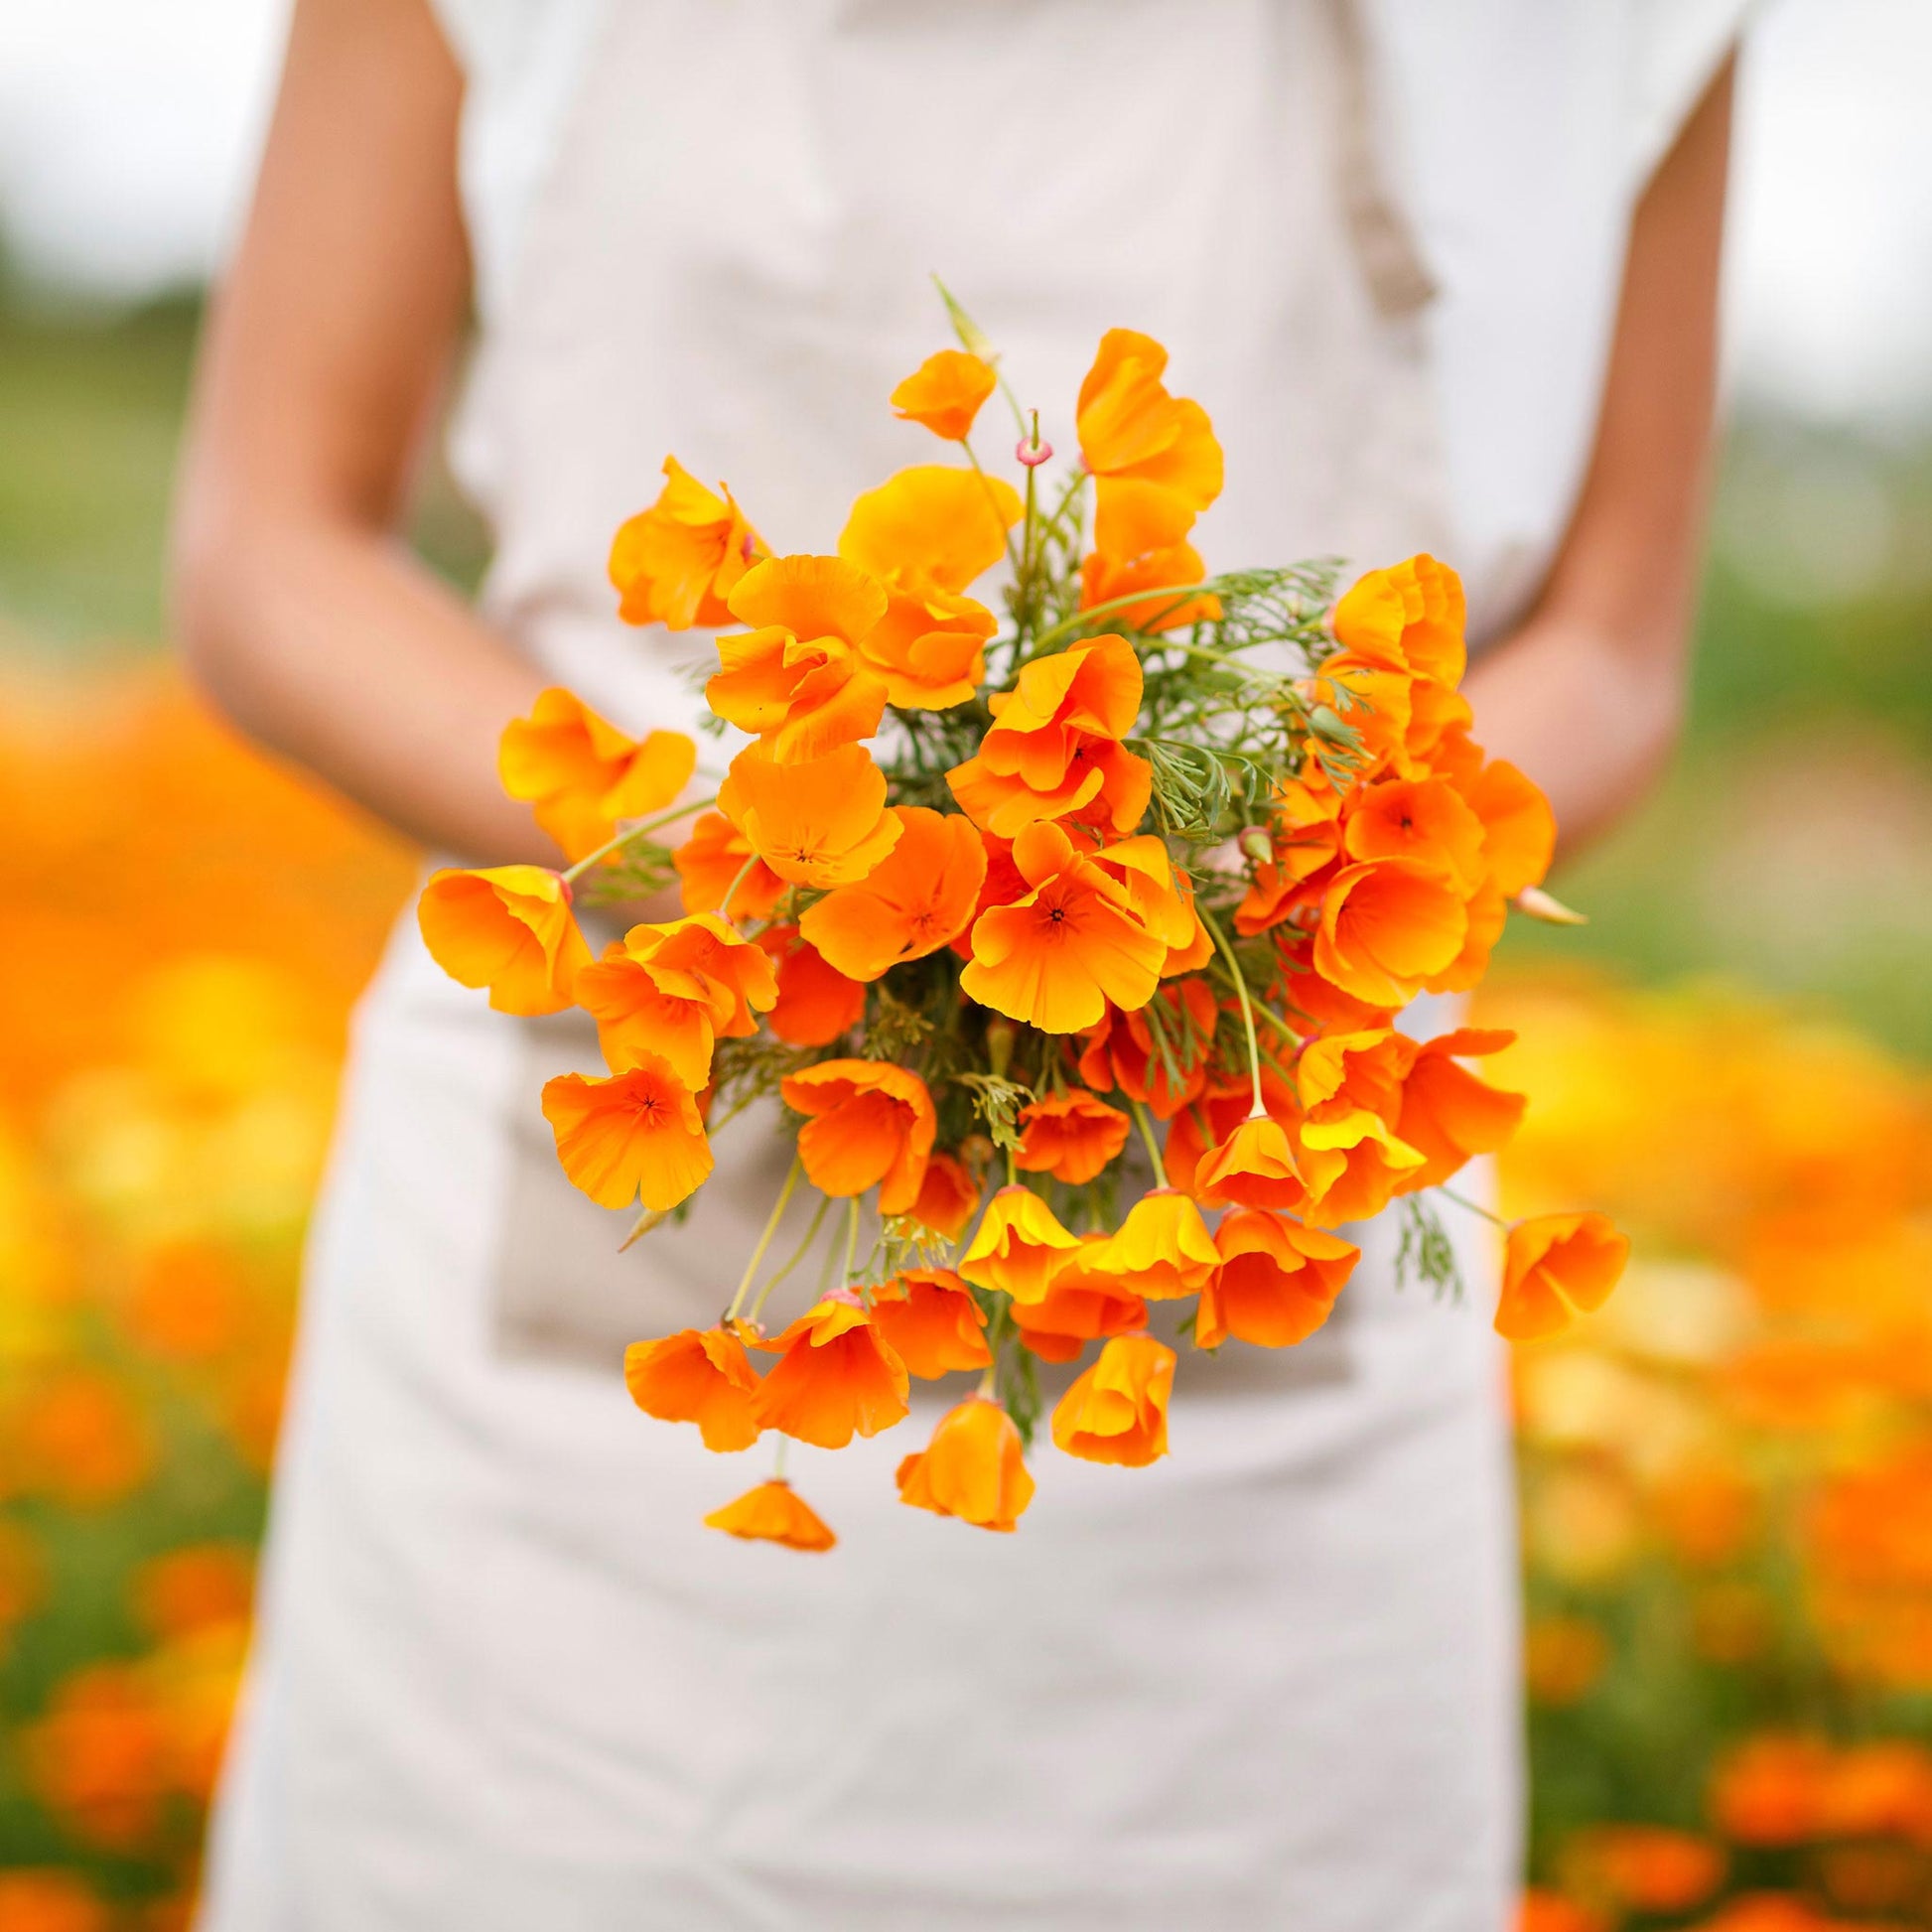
(973, 1468)
(774, 1512)
(76, 1434)
(509, 928)
(1154, 456)
(1160, 573)
(931, 525)
(945, 393)
(1551, 1263)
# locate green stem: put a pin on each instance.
(765, 1240)
(635, 832)
(1475, 1207)
(1079, 618)
(730, 891)
(1144, 1121)
(851, 1236)
(1220, 940)
(799, 1253)
(1006, 532)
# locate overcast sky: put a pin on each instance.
(129, 129)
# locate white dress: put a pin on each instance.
(504, 1679)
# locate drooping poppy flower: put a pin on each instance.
(1166, 1074)
(1388, 927)
(835, 1375)
(929, 647)
(1154, 456)
(1275, 1284)
(1053, 751)
(1305, 841)
(1348, 1151)
(1117, 1410)
(634, 1136)
(821, 823)
(947, 1198)
(672, 989)
(931, 524)
(579, 774)
(1253, 1167)
(1424, 819)
(1070, 1136)
(676, 563)
(796, 680)
(698, 1375)
(1161, 573)
(868, 1123)
(913, 903)
(1057, 957)
(816, 1003)
(1018, 1246)
(1519, 831)
(1202, 1124)
(973, 1468)
(1083, 1304)
(1553, 1263)
(509, 928)
(774, 1512)
(1406, 618)
(1447, 1113)
(929, 1319)
(712, 863)
(945, 393)
(1162, 1251)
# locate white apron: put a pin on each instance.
(504, 1679)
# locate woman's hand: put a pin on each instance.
(1588, 695)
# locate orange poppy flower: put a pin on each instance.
(1154, 456)
(1319, 1004)
(1121, 1052)
(509, 928)
(1424, 819)
(1070, 1136)
(1052, 751)
(796, 680)
(580, 776)
(1771, 1789)
(1347, 1150)
(915, 899)
(1253, 1167)
(1117, 1410)
(1160, 573)
(636, 1135)
(1553, 1263)
(1083, 1304)
(835, 1374)
(929, 647)
(711, 862)
(1199, 948)
(821, 823)
(869, 1124)
(931, 524)
(1203, 1123)
(700, 1375)
(929, 1319)
(1057, 957)
(672, 989)
(1276, 1283)
(1406, 618)
(1519, 830)
(815, 1003)
(1017, 1247)
(676, 563)
(1647, 1867)
(1150, 888)
(1448, 1114)
(948, 1197)
(945, 393)
(1388, 927)
(1162, 1251)
(973, 1468)
(774, 1512)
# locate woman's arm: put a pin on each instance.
(299, 613)
(1587, 696)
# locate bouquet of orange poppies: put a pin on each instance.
(1075, 937)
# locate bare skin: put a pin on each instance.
(305, 621)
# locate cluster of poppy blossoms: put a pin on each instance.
(1014, 917)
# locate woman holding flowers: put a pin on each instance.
(1450, 279)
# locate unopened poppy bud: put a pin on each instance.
(1545, 907)
(1256, 846)
(1328, 726)
(976, 1150)
(1000, 1036)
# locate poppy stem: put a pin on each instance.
(1475, 1207)
(1220, 940)
(799, 1253)
(637, 831)
(730, 891)
(1181, 592)
(779, 1462)
(1145, 1121)
(1005, 534)
(765, 1240)
(851, 1238)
